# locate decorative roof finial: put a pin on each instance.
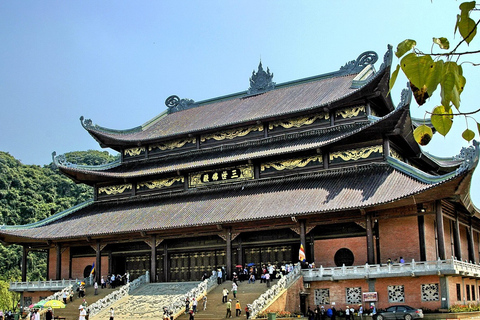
(261, 81)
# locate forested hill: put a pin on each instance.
(29, 193)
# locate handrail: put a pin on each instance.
(271, 294)
(448, 266)
(116, 295)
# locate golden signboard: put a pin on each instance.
(221, 176)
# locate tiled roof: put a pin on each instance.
(330, 191)
(286, 100)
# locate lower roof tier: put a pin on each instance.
(370, 186)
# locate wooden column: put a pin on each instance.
(98, 262)
(421, 237)
(166, 266)
(303, 238)
(58, 269)
(153, 259)
(228, 267)
(24, 264)
(370, 246)
(471, 246)
(240, 253)
(440, 229)
(456, 238)
(312, 248)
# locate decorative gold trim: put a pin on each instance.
(350, 112)
(134, 151)
(221, 176)
(299, 121)
(158, 184)
(356, 154)
(231, 134)
(394, 154)
(110, 190)
(172, 144)
(291, 163)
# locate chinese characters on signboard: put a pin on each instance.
(221, 175)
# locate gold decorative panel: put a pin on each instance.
(111, 190)
(356, 154)
(231, 134)
(221, 176)
(134, 151)
(299, 121)
(291, 163)
(350, 112)
(158, 184)
(172, 144)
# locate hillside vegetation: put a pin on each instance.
(30, 193)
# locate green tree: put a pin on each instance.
(427, 71)
(29, 193)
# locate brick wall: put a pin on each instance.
(325, 250)
(430, 238)
(78, 265)
(290, 299)
(399, 238)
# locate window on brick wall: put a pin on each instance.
(468, 292)
(473, 292)
(354, 295)
(322, 296)
(430, 292)
(459, 292)
(396, 293)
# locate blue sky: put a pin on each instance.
(116, 62)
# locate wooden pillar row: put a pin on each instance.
(24, 263)
(370, 246)
(98, 262)
(440, 230)
(228, 268)
(58, 269)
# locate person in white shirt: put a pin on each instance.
(83, 313)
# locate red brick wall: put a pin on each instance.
(464, 242)
(399, 238)
(412, 287)
(325, 250)
(447, 223)
(78, 265)
(290, 299)
(430, 242)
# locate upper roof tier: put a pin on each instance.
(263, 101)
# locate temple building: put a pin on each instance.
(328, 162)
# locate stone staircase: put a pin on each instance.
(246, 294)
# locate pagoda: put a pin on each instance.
(327, 162)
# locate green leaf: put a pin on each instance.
(452, 84)
(468, 134)
(466, 27)
(466, 7)
(443, 43)
(478, 127)
(423, 73)
(393, 78)
(442, 119)
(405, 46)
(423, 135)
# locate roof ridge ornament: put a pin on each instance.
(355, 66)
(261, 81)
(175, 104)
(469, 156)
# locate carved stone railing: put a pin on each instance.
(49, 285)
(414, 268)
(178, 305)
(271, 294)
(116, 295)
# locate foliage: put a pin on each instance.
(426, 72)
(464, 308)
(29, 193)
(8, 299)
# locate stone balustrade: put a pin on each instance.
(414, 268)
(271, 294)
(113, 297)
(49, 285)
